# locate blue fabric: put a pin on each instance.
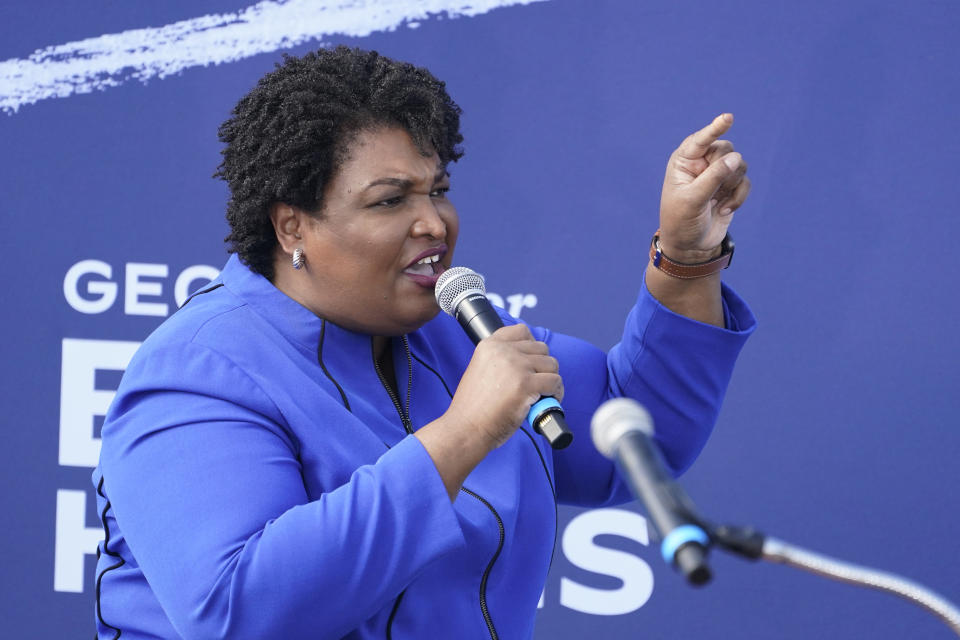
(243, 499)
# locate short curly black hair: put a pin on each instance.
(288, 136)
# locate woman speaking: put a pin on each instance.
(307, 449)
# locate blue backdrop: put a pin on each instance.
(839, 431)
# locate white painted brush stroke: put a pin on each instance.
(110, 60)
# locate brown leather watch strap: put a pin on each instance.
(688, 271)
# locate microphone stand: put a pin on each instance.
(751, 544)
(672, 511)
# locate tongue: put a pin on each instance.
(420, 269)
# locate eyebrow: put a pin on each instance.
(405, 183)
(394, 182)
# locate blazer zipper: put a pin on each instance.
(404, 413)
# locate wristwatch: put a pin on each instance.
(688, 271)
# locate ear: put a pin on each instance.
(287, 224)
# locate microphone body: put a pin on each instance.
(461, 292)
(477, 317)
(623, 431)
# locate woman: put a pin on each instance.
(307, 450)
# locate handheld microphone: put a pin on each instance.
(461, 292)
(622, 430)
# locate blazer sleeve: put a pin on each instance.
(205, 484)
(676, 367)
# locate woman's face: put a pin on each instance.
(385, 234)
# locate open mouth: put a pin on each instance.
(426, 268)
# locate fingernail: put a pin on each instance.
(732, 161)
(726, 211)
(727, 116)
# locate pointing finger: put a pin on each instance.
(697, 144)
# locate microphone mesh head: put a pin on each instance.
(455, 281)
(614, 419)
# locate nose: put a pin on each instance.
(430, 222)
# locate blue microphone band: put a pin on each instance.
(540, 407)
(681, 536)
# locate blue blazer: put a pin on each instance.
(258, 480)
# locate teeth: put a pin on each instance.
(429, 259)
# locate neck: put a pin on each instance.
(380, 345)
(285, 279)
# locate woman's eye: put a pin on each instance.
(390, 202)
(440, 192)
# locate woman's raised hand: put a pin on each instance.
(704, 184)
